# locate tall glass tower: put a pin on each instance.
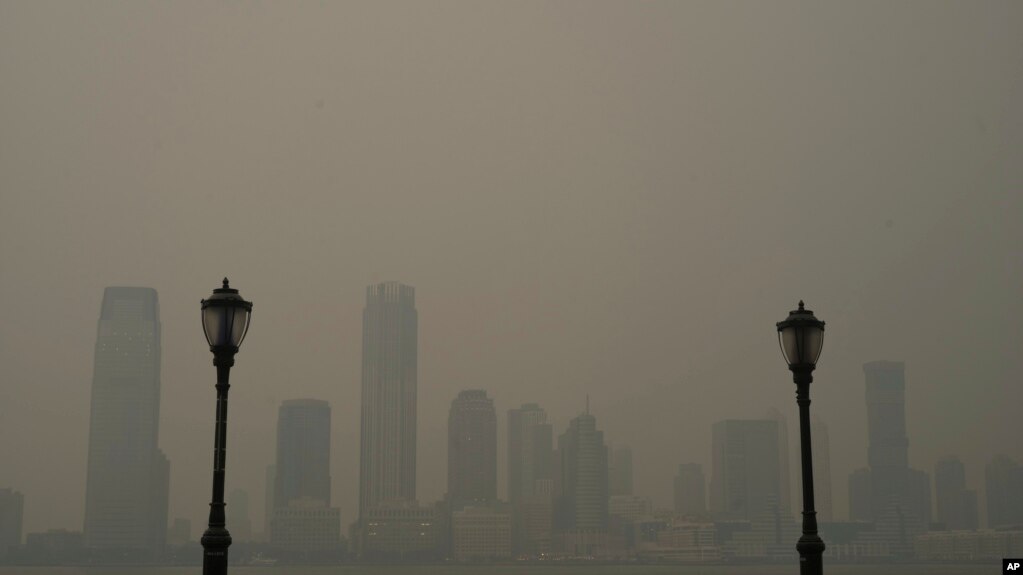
(472, 448)
(128, 476)
(387, 472)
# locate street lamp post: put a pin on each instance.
(225, 321)
(801, 337)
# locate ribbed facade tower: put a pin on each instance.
(389, 366)
(128, 477)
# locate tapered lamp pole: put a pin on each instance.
(225, 321)
(801, 336)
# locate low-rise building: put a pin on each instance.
(481, 534)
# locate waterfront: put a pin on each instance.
(774, 569)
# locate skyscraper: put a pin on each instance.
(747, 468)
(957, 506)
(892, 482)
(530, 479)
(583, 501)
(821, 469)
(784, 464)
(303, 519)
(620, 470)
(12, 507)
(530, 450)
(238, 515)
(472, 448)
(1003, 480)
(690, 490)
(303, 452)
(128, 476)
(387, 472)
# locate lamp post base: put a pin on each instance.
(811, 551)
(215, 542)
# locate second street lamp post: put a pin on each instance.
(225, 321)
(801, 336)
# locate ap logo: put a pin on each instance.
(1012, 566)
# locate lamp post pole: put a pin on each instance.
(225, 321)
(810, 545)
(801, 336)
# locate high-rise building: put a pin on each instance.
(128, 476)
(238, 521)
(303, 452)
(582, 504)
(387, 471)
(303, 519)
(472, 449)
(530, 451)
(859, 495)
(746, 468)
(892, 482)
(12, 508)
(957, 506)
(620, 470)
(690, 491)
(821, 446)
(1003, 480)
(481, 533)
(269, 479)
(784, 464)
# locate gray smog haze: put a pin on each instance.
(617, 199)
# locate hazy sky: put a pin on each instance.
(614, 199)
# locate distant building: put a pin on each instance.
(303, 452)
(892, 482)
(54, 546)
(306, 525)
(303, 519)
(986, 545)
(238, 522)
(12, 509)
(530, 479)
(1003, 479)
(472, 449)
(533, 521)
(747, 468)
(620, 470)
(629, 507)
(682, 541)
(772, 535)
(583, 500)
(859, 496)
(784, 464)
(957, 506)
(821, 446)
(481, 533)
(128, 477)
(690, 491)
(269, 481)
(400, 532)
(387, 467)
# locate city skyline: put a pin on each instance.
(616, 200)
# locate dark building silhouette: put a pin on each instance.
(128, 477)
(238, 520)
(784, 502)
(892, 481)
(387, 471)
(530, 450)
(303, 452)
(690, 490)
(821, 440)
(956, 505)
(472, 449)
(12, 509)
(620, 470)
(746, 468)
(303, 519)
(1003, 480)
(531, 479)
(582, 503)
